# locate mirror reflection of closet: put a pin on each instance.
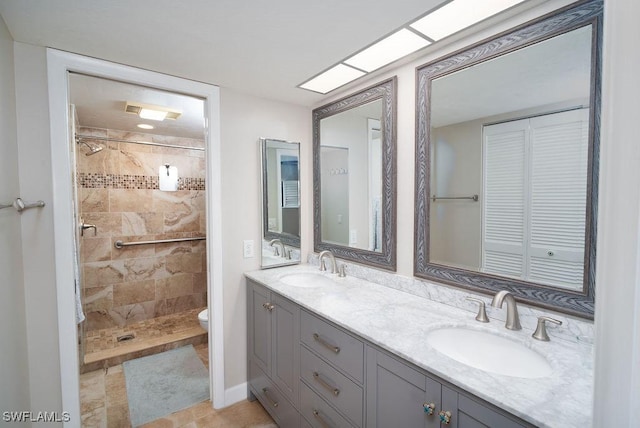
(280, 202)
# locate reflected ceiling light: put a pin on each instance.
(332, 78)
(151, 112)
(457, 15)
(145, 126)
(387, 50)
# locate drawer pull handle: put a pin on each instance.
(326, 344)
(266, 394)
(268, 306)
(316, 414)
(429, 408)
(335, 391)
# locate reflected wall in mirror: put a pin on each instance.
(280, 202)
(507, 163)
(354, 176)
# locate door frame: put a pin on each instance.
(58, 65)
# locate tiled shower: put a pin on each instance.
(138, 288)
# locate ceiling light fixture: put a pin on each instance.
(454, 16)
(332, 78)
(145, 126)
(391, 48)
(151, 112)
(458, 15)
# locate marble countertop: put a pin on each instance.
(398, 322)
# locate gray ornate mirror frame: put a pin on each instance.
(386, 258)
(579, 302)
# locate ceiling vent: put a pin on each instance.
(160, 112)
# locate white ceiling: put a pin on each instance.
(265, 48)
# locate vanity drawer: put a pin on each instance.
(332, 385)
(339, 348)
(272, 399)
(317, 412)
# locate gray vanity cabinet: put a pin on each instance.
(274, 353)
(397, 394)
(401, 395)
(308, 372)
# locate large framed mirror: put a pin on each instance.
(280, 203)
(354, 176)
(507, 163)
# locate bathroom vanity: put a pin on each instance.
(345, 352)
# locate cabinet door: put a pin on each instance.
(285, 346)
(397, 394)
(467, 412)
(259, 326)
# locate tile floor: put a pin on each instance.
(103, 398)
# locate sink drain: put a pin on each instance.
(125, 337)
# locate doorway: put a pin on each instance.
(60, 64)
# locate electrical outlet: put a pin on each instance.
(247, 248)
(353, 236)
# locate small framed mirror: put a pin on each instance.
(280, 203)
(354, 176)
(507, 163)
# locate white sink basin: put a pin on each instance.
(306, 279)
(489, 352)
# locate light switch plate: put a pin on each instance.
(247, 248)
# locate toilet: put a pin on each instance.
(203, 317)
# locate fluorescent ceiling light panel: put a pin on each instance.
(146, 113)
(387, 50)
(459, 14)
(332, 79)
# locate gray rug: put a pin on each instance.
(161, 384)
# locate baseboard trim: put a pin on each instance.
(235, 394)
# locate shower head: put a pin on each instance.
(93, 148)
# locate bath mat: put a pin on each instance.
(160, 384)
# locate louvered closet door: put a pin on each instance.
(504, 201)
(559, 151)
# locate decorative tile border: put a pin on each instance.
(118, 181)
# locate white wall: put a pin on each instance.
(14, 374)
(617, 380)
(37, 227)
(244, 119)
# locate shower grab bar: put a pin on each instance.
(146, 143)
(474, 198)
(120, 244)
(20, 205)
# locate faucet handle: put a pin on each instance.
(541, 329)
(482, 313)
(341, 271)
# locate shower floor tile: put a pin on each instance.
(102, 348)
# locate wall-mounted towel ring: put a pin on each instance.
(20, 205)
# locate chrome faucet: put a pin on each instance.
(274, 242)
(513, 320)
(332, 259)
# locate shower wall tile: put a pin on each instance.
(99, 274)
(93, 200)
(130, 200)
(96, 249)
(181, 221)
(134, 292)
(107, 224)
(184, 263)
(147, 268)
(118, 192)
(136, 224)
(174, 286)
(98, 298)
